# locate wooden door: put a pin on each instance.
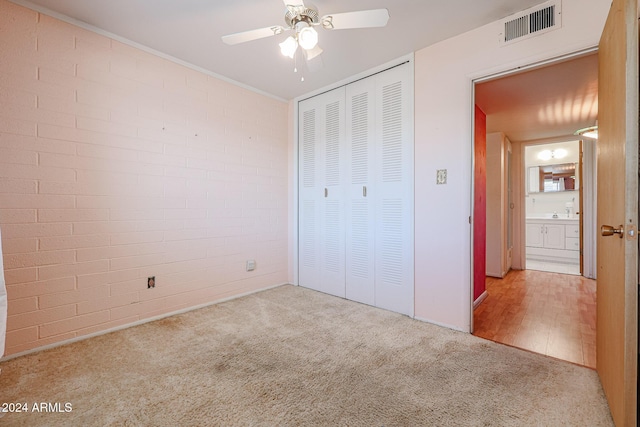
(480, 205)
(617, 279)
(580, 207)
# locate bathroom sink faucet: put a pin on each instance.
(555, 215)
(568, 212)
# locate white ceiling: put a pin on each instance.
(190, 30)
(543, 103)
(549, 102)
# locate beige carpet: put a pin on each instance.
(294, 357)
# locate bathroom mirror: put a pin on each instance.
(552, 178)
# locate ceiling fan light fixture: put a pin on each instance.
(558, 153)
(289, 46)
(590, 132)
(308, 38)
(301, 20)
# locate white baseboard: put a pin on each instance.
(137, 323)
(444, 325)
(479, 300)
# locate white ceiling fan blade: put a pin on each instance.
(359, 19)
(293, 3)
(247, 36)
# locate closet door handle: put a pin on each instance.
(364, 191)
(326, 192)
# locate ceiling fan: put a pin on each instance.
(302, 19)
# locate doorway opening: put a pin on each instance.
(553, 204)
(534, 267)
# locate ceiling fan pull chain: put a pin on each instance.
(295, 66)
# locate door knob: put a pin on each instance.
(607, 230)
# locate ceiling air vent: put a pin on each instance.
(531, 22)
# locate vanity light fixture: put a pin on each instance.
(560, 153)
(552, 154)
(545, 155)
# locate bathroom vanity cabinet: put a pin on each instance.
(553, 239)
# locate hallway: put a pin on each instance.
(547, 313)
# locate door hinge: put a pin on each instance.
(469, 220)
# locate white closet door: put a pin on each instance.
(322, 224)
(310, 188)
(360, 209)
(333, 207)
(356, 191)
(394, 275)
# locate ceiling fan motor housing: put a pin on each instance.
(295, 14)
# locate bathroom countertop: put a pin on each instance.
(545, 218)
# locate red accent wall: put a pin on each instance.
(480, 204)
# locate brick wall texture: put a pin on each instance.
(117, 165)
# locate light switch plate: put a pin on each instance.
(441, 176)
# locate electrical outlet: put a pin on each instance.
(251, 264)
(151, 282)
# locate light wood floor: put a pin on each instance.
(548, 313)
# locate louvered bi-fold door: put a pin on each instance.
(356, 191)
(322, 222)
(394, 231)
(360, 200)
(309, 201)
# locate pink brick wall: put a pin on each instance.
(116, 165)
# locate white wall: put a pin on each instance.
(539, 204)
(494, 204)
(444, 74)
